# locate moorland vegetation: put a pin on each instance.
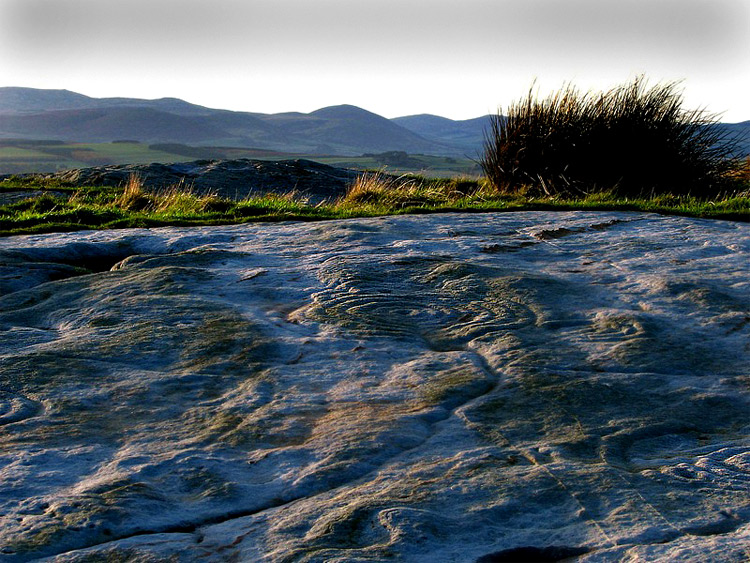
(633, 141)
(632, 148)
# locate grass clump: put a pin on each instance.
(381, 192)
(178, 199)
(380, 189)
(633, 140)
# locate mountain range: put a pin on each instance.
(27, 113)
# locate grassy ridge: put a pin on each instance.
(57, 208)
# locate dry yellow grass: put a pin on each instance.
(379, 188)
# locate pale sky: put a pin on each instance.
(455, 58)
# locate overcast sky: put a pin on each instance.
(456, 58)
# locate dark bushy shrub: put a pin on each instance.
(633, 140)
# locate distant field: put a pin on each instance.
(22, 156)
(431, 166)
(19, 154)
(19, 157)
(133, 153)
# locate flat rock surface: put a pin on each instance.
(478, 387)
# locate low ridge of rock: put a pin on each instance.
(234, 179)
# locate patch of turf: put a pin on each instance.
(55, 207)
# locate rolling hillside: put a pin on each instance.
(108, 124)
(32, 100)
(27, 113)
(467, 135)
(354, 130)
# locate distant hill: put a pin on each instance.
(741, 131)
(108, 124)
(32, 100)
(27, 113)
(350, 126)
(468, 135)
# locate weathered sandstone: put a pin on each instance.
(476, 387)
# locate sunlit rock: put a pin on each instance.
(484, 387)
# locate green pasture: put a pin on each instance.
(21, 154)
(124, 153)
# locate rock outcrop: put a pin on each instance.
(485, 387)
(234, 179)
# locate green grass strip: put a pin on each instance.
(57, 208)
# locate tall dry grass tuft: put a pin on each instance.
(177, 199)
(379, 188)
(182, 198)
(134, 196)
(633, 140)
(383, 190)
